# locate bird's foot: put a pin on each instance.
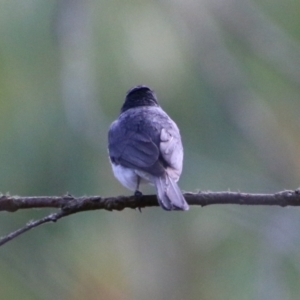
(138, 195)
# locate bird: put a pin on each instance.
(144, 146)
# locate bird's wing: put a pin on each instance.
(131, 149)
(171, 150)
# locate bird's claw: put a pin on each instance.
(138, 194)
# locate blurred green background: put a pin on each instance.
(228, 73)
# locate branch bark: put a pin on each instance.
(69, 205)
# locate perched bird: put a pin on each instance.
(144, 146)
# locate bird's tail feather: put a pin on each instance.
(169, 195)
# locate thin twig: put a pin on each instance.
(70, 205)
(30, 225)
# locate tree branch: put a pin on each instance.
(69, 205)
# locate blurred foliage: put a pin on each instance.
(227, 71)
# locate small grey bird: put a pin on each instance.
(144, 146)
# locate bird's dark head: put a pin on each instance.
(140, 95)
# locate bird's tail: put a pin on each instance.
(168, 194)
